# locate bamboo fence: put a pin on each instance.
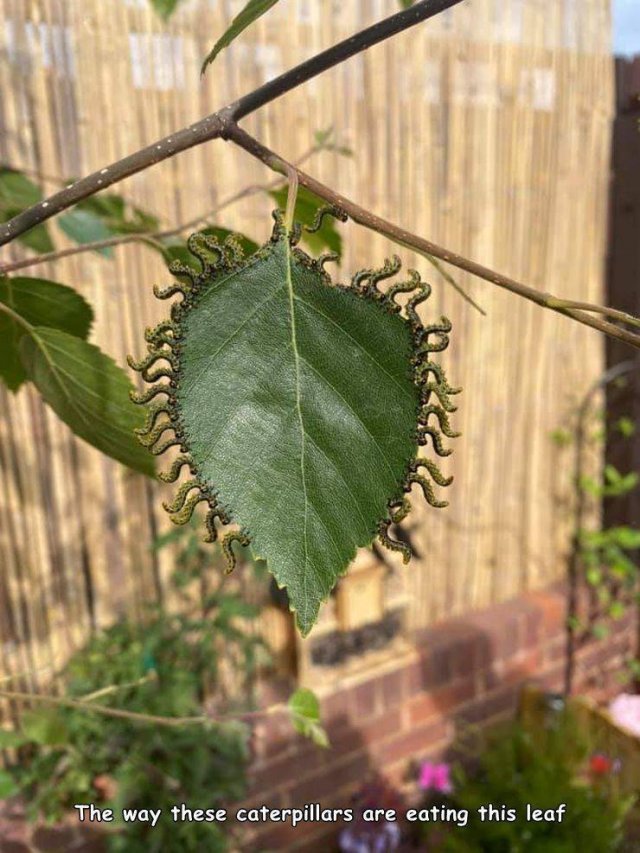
(487, 130)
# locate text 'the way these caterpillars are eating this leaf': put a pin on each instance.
(298, 406)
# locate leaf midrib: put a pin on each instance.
(296, 357)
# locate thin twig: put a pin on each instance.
(213, 126)
(412, 241)
(121, 713)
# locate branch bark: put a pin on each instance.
(214, 125)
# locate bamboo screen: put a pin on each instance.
(486, 130)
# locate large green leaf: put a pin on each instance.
(251, 12)
(306, 448)
(37, 302)
(298, 406)
(88, 391)
(299, 409)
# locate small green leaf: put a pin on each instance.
(88, 391)
(17, 192)
(40, 303)
(11, 739)
(36, 238)
(251, 12)
(626, 427)
(45, 727)
(626, 537)
(83, 226)
(118, 215)
(617, 610)
(307, 205)
(600, 632)
(305, 716)
(594, 577)
(406, 4)
(561, 437)
(165, 8)
(8, 786)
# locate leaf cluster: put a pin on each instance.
(160, 667)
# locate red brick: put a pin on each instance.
(381, 727)
(323, 785)
(518, 669)
(500, 701)
(411, 744)
(440, 702)
(392, 689)
(335, 707)
(365, 700)
(268, 776)
(553, 607)
(555, 649)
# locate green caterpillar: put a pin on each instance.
(298, 405)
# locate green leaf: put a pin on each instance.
(307, 205)
(83, 226)
(11, 739)
(617, 610)
(45, 727)
(600, 632)
(118, 215)
(626, 537)
(305, 716)
(8, 786)
(88, 391)
(165, 8)
(305, 448)
(561, 437)
(40, 303)
(626, 427)
(406, 4)
(36, 238)
(18, 192)
(251, 12)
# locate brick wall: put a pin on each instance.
(468, 670)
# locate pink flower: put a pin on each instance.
(625, 712)
(435, 777)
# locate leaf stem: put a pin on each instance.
(292, 195)
(83, 705)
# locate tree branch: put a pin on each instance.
(141, 236)
(577, 311)
(214, 126)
